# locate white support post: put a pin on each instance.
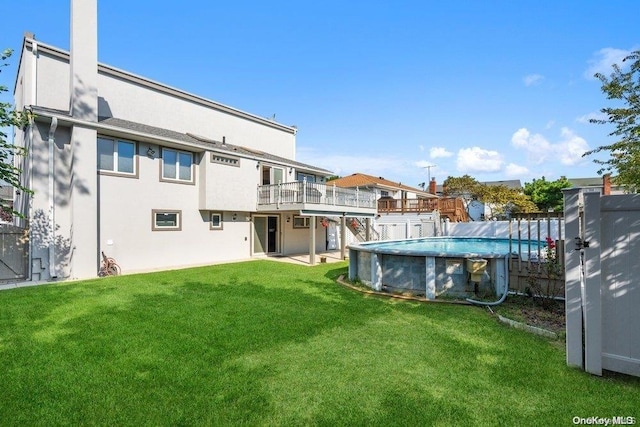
(376, 272)
(343, 237)
(312, 240)
(573, 276)
(304, 190)
(592, 303)
(430, 276)
(334, 194)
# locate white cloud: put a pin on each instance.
(532, 79)
(516, 171)
(538, 149)
(476, 159)
(587, 117)
(603, 60)
(423, 164)
(571, 148)
(568, 150)
(439, 152)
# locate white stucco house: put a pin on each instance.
(154, 176)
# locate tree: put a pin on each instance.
(624, 157)
(500, 199)
(9, 117)
(503, 201)
(465, 187)
(547, 194)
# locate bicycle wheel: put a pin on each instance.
(113, 269)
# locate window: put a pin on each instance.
(177, 165)
(302, 221)
(272, 175)
(166, 220)
(301, 176)
(116, 156)
(215, 222)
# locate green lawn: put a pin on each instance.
(268, 343)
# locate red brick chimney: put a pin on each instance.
(606, 185)
(432, 186)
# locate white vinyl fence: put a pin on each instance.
(603, 281)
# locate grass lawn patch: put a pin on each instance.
(269, 343)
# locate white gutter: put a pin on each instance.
(52, 202)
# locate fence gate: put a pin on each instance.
(14, 246)
(603, 282)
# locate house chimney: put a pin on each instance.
(432, 186)
(83, 61)
(606, 185)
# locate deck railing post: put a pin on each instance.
(304, 190)
(334, 194)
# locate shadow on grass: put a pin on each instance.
(267, 343)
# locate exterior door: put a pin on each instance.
(266, 234)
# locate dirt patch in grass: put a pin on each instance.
(532, 312)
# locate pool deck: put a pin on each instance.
(303, 259)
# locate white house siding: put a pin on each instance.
(126, 234)
(139, 100)
(42, 235)
(77, 211)
(227, 187)
(131, 101)
(52, 81)
(296, 240)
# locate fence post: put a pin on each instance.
(572, 268)
(592, 303)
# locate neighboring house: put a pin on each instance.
(392, 196)
(156, 177)
(479, 211)
(602, 183)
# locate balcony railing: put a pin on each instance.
(311, 193)
(450, 207)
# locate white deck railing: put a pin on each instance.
(302, 192)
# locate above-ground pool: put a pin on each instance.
(433, 266)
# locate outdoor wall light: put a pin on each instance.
(290, 171)
(288, 218)
(234, 217)
(258, 165)
(150, 152)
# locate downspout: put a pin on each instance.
(52, 202)
(29, 146)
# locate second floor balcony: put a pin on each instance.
(316, 197)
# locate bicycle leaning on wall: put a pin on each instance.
(109, 267)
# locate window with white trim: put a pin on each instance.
(215, 221)
(116, 156)
(177, 165)
(166, 220)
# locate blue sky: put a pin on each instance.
(494, 89)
